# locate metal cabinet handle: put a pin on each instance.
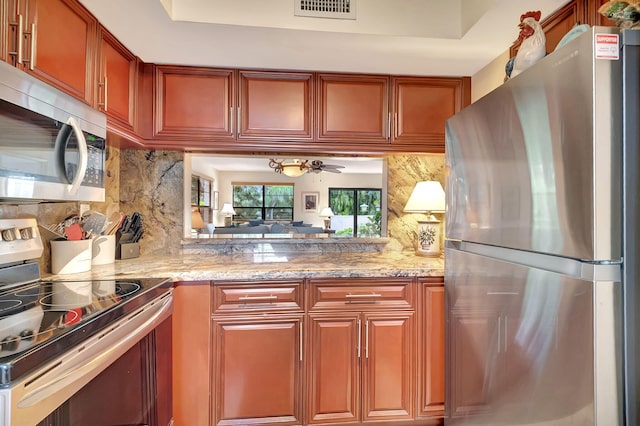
(32, 59)
(499, 334)
(104, 85)
(366, 339)
(20, 35)
(270, 297)
(238, 118)
(106, 93)
(505, 333)
(359, 336)
(389, 127)
(362, 295)
(301, 323)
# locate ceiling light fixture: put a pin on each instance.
(291, 168)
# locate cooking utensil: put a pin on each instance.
(94, 223)
(74, 232)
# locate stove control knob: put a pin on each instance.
(10, 343)
(26, 233)
(9, 234)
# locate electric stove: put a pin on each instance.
(42, 319)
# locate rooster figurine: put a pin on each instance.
(532, 47)
(625, 14)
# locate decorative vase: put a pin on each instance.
(429, 238)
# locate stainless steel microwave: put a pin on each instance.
(52, 146)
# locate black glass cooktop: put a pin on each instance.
(43, 319)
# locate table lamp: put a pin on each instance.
(197, 223)
(227, 211)
(427, 197)
(327, 213)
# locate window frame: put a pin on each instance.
(263, 208)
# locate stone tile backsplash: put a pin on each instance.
(151, 182)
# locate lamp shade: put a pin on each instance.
(326, 212)
(227, 210)
(294, 168)
(196, 220)
(426, 197)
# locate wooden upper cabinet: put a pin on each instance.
(275, 105)
(193, 103)
(59, 45)
(559, 23)
(596, 18)
(116, 82)
(421, 106)
(353, 108)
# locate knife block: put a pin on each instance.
(127, 250)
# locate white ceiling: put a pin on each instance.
(227, 163)
(410, 37)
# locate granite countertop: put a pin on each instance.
(264, 266)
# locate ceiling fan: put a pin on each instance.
(295, 168)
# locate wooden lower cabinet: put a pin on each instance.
(431, 348)
(323, 351)
(360, 367)
(258, 370)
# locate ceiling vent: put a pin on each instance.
(336, 9)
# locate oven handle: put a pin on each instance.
(70, 373)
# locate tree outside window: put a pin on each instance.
(356, 211)
(267, 202)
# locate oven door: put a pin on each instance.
(57, 386)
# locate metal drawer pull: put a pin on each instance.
(270, 297)
(359, 336)
(360, 295)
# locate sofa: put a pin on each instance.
(261, 227)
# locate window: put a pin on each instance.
(258, 201)
(356, 211)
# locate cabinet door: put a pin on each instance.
(60, 43)
(122, 394)
(421, 106)
(8, 31)
(275, 105)
(353, 108)
(191, 353)
(431, 349)
(193, 103)
(257, 370)
(116, 82)
(333, 381)
(389, 366)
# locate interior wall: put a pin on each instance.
(489, 77)
(310, 182)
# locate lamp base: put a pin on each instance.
(227, 221)
(327, 224)
(428, 243)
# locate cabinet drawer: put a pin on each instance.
(361, 294)
(233, 296)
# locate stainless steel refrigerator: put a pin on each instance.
(541, 257)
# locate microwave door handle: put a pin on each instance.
(61, 146)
